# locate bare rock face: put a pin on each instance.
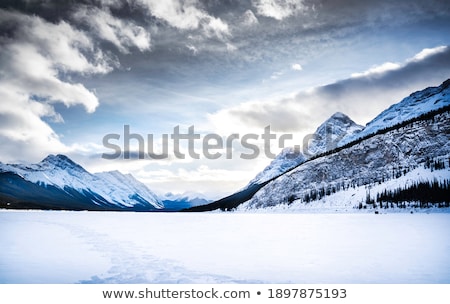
(331, 133)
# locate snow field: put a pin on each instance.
(114, 247)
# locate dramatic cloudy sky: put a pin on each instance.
(72, 72)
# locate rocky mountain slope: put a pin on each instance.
(327, 137)
(384, 162)
(403, 148)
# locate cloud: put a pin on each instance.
(276, 75)
(187, 15)
(192, 48)
(40, 58)
(213, 182)
(123, 34)
(378, 70)
(23, 133)
(422, 55)
(296, 67)
(278, 9)
(361, 96)
(249, 18)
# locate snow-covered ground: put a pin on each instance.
(108, 247)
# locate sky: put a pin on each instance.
(73, 73)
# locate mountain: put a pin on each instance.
(175, 202)
(405, 148)
(59, 183)
(417, 104)
(287, 159)
(413, 156)
(327, 137)
(330, 134)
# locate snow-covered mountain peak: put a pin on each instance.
(327, 137)
(340, 116)
(60, 161)
(337, 125)
(187, 195)
(331, 132)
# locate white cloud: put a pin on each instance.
(215, 27)
(62, 45)
(231, 47)
(276, 75)
(378, 70)
(123, 34)
(249, 18)
(23, 133)
(186, 15)
(192, 48)
(429, 52)
(278, 9)
(38, 58)
(213, 182)
(40, 77)
(296, 67)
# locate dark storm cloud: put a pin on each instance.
(435, 65)
(206, 36)
(360, 96)
(221, 25)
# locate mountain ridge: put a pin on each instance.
(432, 107)
(369, 165)
(57, 182)
(327, 136)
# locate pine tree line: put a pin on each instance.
(424, 193)
(436, 163)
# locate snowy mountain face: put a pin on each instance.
(124, 189)
(331, 133)
(415, 105)
(59, 183)
(327, 137)
(393, 151)
(286, 160)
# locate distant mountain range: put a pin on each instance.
(175, 202)
(347, 166)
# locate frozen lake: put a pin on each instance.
(108, 247)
